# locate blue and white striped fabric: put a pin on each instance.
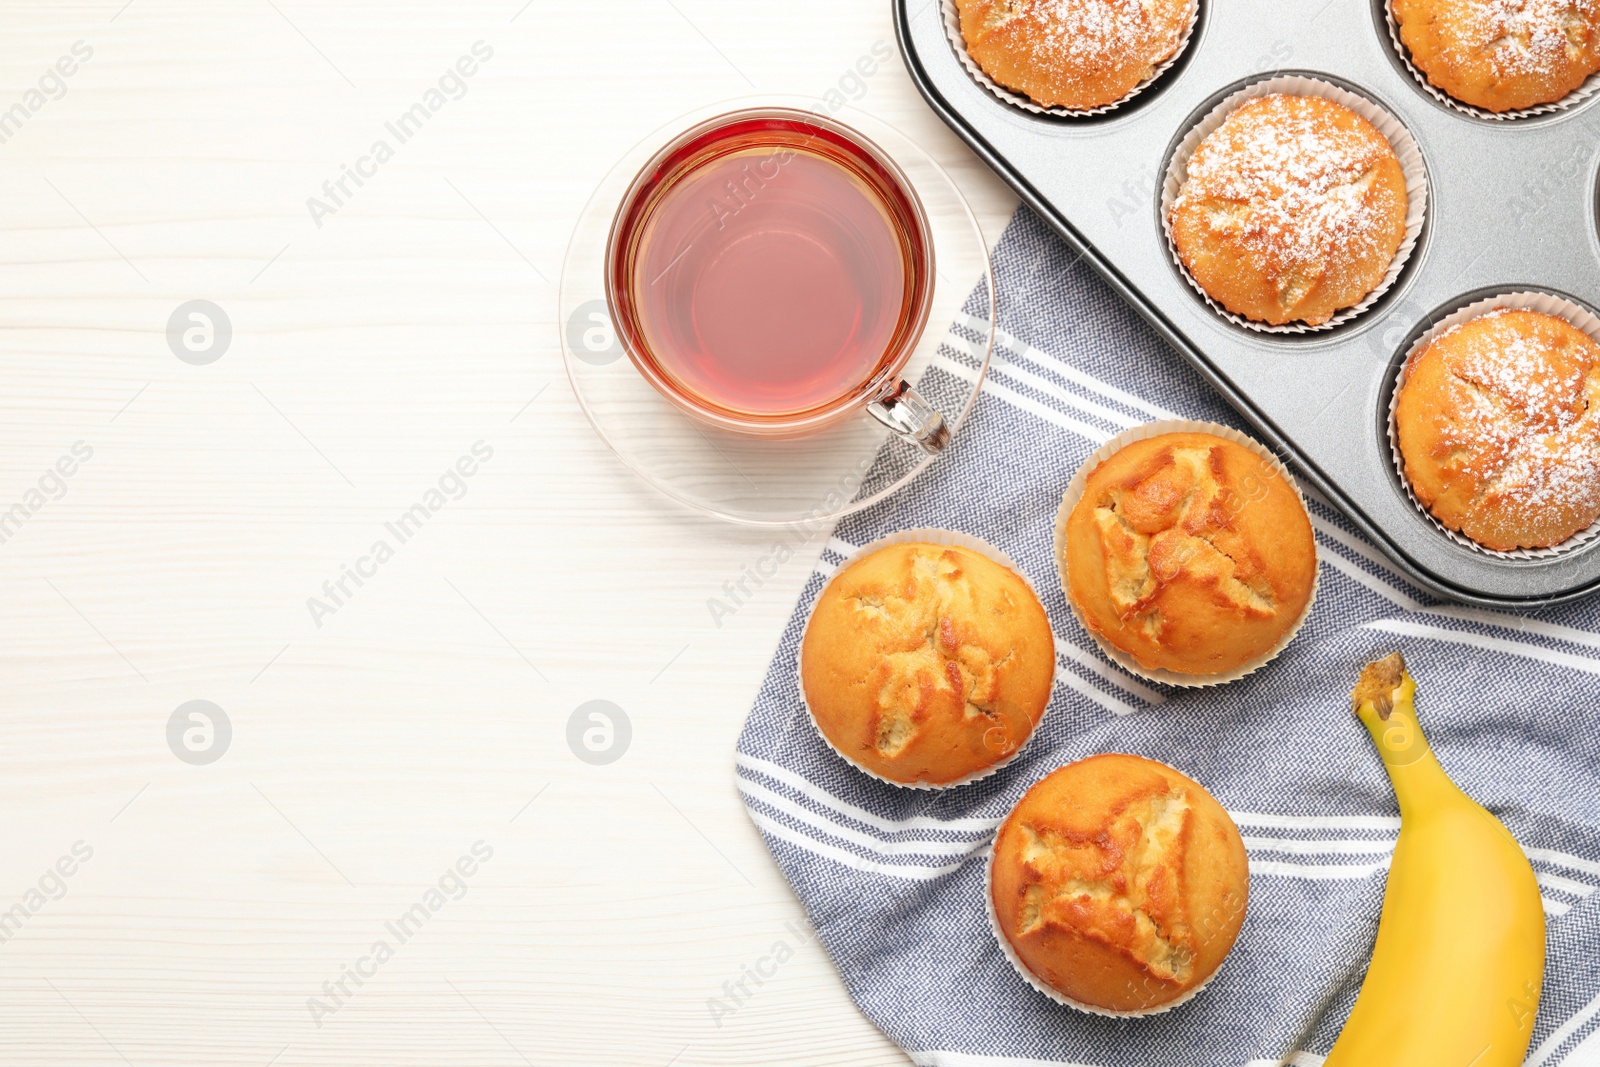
(892, 879)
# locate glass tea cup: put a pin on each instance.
(770, 271)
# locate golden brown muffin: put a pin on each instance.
(1498, 422)
(1120, 883)
(927, 663)
(1077, 54)
(1502, 55)
(1190, 553)
(1291, 210)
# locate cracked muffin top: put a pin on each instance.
(1077, 54)
(1291, 210)
(926, 663)
(1498, 422)
(1190, 553)
(1502, 55)
(1120, 883)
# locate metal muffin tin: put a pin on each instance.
(1512, 206)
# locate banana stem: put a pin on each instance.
(1385, 702)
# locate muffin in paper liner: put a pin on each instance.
(1520, 300)
(1406, 151)
(1040, 984)
(935, 536)
(952, 29)
(1074, 493)
(1590, 86)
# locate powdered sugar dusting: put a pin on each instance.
(1549, 476)
(1500, 58)
(1520, 372)
(1287, 181)
(1528, 37)
(1085, 34)
(1074, 53)
(1522, 426)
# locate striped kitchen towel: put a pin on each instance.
(892, 879)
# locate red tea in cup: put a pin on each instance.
(770, 271)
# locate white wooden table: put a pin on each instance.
(156, 911)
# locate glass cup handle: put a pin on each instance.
(906, 413)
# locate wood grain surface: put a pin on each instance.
(374, 745)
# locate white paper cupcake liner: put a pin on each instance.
(1074, 493)
(952, 29)
(1521, 300)
(921, 535)
(1405, 150)
(1040, 984)
(1588, 88)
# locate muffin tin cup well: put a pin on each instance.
(1074, 493)
(1522, 300)
(1405, 150)
(1038, 983)
(921, 535)
(1588, 88)
(952, 29)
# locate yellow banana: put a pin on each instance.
(1456, 972)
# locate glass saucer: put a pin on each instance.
(766, 481)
